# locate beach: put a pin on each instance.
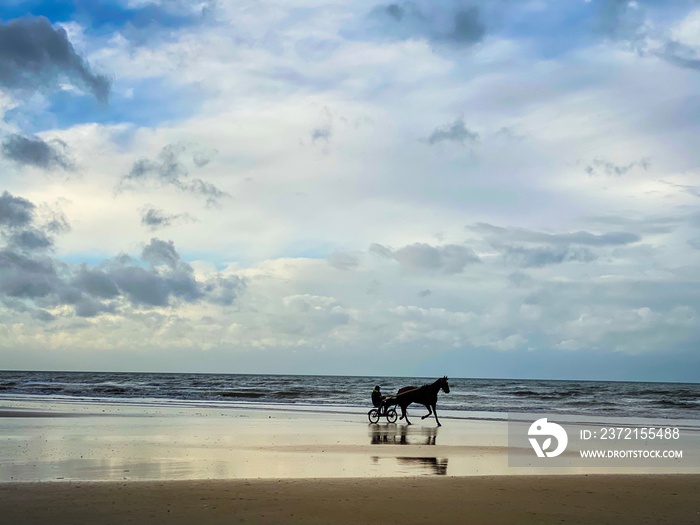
(71, 462)
(480, 500)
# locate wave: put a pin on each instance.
(678, 403)
(243, 395)
(645, 399)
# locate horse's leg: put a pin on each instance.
(436, 418)
(404, 411)
(430, 412)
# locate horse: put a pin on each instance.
(424, 395)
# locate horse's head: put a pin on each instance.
(443, 384)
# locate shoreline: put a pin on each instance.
(73, 441)
(483, 500)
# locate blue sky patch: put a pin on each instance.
(101, 16)
(154, 101)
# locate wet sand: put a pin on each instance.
(173, 464)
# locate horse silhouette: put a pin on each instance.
(423, 395)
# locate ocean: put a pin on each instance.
(490, 397)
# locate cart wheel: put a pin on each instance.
(391, 416)
(373, 415)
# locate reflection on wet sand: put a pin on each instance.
(436, 466)
(392, 434)
(421, 466)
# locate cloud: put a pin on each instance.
(154, 218)
(680, 55)
(343, 261)
(554, 248)
(545, 255)
(621, 19)
(29, 276)
(31, 239)
(323, 133)
(170, 168)
(166, 281)
(606, 167)
(35, 56)
(455, 132)
(419, 257)
(159, 252)
(615, 238)
(468, 27)
(34, 151)
(461, 27)
(32, 280)
(95, 282)
(15, 211)
(645, 225)
(627, 22)
(223, 289)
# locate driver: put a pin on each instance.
(378, 398)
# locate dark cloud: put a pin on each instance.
(26, 271)
(448, 258)
(323, 133)
(159, 252)
(516, 244)
(87, 307)
(32, 281)
(395, 11)
(545, 255)
(171, 168)
(455, 132)
(31, 239)
(34, 151)
(56, 221)
(223, 290)
(19, 227)
(579, 237)
(680, 55)
(141, 286)
(35, 56)
(424, 293)
(154, 218)
(453, 25)
(166, 279)
(627, 22)
(468, 27)
(95, 282)
(606, 167)
(26, 276)
(15, 211)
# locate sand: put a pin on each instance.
(479, 500)
(177, 464)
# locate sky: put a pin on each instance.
(472, 188)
